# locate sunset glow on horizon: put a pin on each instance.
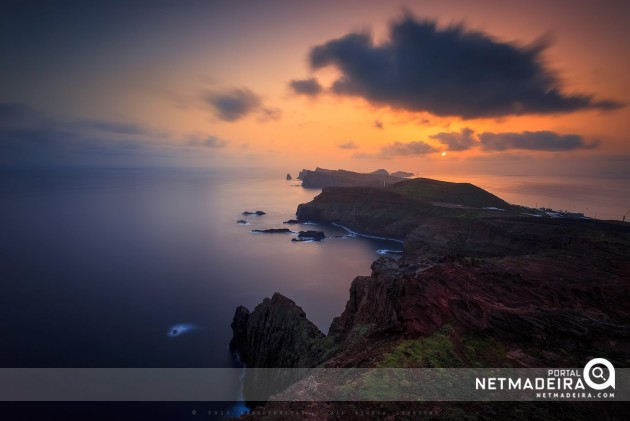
(356, 85)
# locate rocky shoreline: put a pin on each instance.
(474, 288)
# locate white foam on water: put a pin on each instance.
(384, 251)
(180, 329)
(365, 235)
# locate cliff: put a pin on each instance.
(276, 334)
(321, 177)
(475, 287)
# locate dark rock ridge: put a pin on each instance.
(276, 334)
(259, 213)
(274, 231)
(552, 297)
(301, 174)
(341, 178)
(310, 236)
(292, 221)
(402, 174)
(380, 172)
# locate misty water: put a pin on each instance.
(144, 268)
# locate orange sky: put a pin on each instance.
(153, 70)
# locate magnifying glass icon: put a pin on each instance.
(598, 373)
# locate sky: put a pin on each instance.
(419, 86)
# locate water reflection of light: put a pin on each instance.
(180, 329)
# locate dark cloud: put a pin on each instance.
(237, 103)
(450, 71)
(378, 124)
(401, 149)
(461, 141)
(348, 145)
(309, 87)
(234, 104)
(536, 141)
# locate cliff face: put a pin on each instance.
(548, 298)
(475, 288)
(340, 178)
(276, 334)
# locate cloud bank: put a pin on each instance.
(545, 141)
(536, 141)
(461, 141)
(31, 138)
(449, 71)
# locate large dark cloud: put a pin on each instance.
(461, 141)
(539, 141)
(309, 87)
(451, 71)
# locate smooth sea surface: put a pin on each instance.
(99, 267)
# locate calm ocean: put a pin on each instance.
(99, 267)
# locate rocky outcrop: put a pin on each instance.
(301, 174)
(289, 177)
(547, 298)
(380, 172)
(276, 334)
(341, 178)
(274, 231)
(398, 209)
(258, 213)
(310, 236)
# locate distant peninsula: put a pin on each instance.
(321, 177)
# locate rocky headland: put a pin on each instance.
(320, 177)
(481, 283)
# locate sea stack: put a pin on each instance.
(289, 177)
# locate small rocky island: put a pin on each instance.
(310, 236)
(258, 213)
(274, 231)
(474, 288)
